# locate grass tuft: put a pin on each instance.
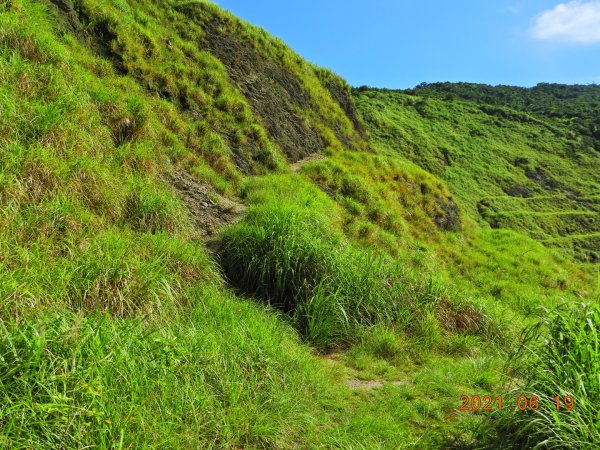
(560, 358)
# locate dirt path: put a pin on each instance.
(351, 376)
(355, 383)
(210, 210)
(310, 158)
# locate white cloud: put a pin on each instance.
(575, 21)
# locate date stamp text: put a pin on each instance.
(523, 403)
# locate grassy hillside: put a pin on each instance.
(508, 168)
(201, 247)
(573, 105)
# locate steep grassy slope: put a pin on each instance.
(508, 168)
(350, 305)
(96, 115)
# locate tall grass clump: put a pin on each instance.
(560, 357)
(292, 257)
(288, 257)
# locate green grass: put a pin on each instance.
(573, 105)
(119, 329)
(286, 251)
(221, 373)
(484, 153)
(559, 358)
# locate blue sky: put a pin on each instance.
(400, 43)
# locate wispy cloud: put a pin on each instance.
(575, 22)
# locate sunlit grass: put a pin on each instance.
(118, 328)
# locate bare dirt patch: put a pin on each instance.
(350, 376)
(74, 17)
(344, 98)
(447, 218)
(274, 93)
(355, 383)
(210, 210)
(310, 158)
